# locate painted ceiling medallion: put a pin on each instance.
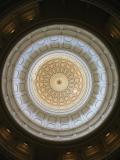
(60, 82)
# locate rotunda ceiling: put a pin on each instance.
(60, 82)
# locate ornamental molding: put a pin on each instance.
(86, 55)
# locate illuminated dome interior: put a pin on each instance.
(61, 82)
(59, 94)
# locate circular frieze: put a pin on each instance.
(60, 82)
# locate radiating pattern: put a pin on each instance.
(60, 82)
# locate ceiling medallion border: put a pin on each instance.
(76, 123)
(84, 72)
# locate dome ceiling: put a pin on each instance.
(59, 82)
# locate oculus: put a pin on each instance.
(58, 81)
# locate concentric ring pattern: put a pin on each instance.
(60, 82)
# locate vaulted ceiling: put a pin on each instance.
(19, 18)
